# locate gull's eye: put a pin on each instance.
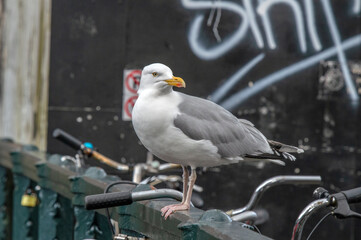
(155, 74)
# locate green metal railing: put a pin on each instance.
(58, 213)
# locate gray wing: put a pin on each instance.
(202, 119)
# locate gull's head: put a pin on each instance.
(159, 76)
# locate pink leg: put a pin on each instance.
(185, 187)
(185, 205)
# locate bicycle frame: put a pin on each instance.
(271, 182)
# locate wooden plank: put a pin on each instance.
(25, 67)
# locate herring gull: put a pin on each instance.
(195, 132)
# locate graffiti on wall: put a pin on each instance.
(305, 26)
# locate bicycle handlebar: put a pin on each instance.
(339, 202)
(254, 217)
(67, 139)
(353, 195)
(271, 182)
(305, 214)
(78, 145)
(105, 160)
(106, 200)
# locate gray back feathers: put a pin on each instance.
(202, 119)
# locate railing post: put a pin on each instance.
(55, 210)
(128, 221)
(25, 219)
(89, 224)
(6, 188)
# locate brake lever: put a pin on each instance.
(342, 209)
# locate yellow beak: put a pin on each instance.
(176, 81)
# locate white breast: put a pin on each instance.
(153, 119)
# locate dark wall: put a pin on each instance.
(303, 90)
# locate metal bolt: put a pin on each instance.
(333, 201)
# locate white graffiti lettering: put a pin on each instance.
(234, 79)
(356, 6)
(233, 101)
(249, 20)
(311, 25)
(253, 23)
(223, 47)
(263, 10)
(341, 55)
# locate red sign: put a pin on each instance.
(129, 104)
(132, 81)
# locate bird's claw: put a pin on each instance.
(168, 210)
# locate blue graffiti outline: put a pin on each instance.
(253, 23)
(225, 46)
(236, 99)
(310, 18)
(218, 95)
(341, 55)
(263, 10)
(356, 6)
